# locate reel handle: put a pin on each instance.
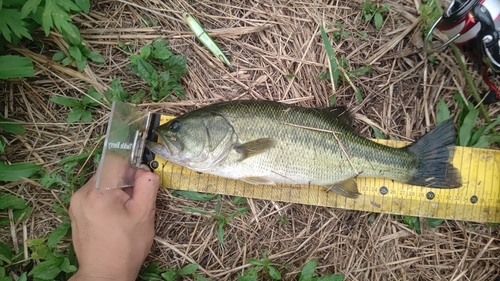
(488, 38)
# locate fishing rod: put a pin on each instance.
(472, 26)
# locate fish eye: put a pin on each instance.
(176, 126)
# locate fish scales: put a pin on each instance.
(306, 154)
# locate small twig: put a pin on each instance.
(334, 135)
(173, 248)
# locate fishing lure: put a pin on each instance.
(202, 35)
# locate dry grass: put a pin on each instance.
(267, 40)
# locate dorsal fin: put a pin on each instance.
(341, 113)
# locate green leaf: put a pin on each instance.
(249, 275)
(74, 115)
(67, 267)
(47, 21)
(92, 97)
(255, 261)
(23, 277)
(240, 201)
(94, 56)
(176, 64)
(18, 171)
(84, 5)
(137, 98)
(359, 96)
(146, 71)
(188, 269)
(220, 233)
(66, 101)
(67, 60)
(412, 222)
(10, 126)
(378, 133)
(331, 55)
(74, 158)
(47, 270)
(443, 113)
(80, 64)
(169, 275)
(5, 253)
(86, 116)
(378, 20)
(12, 26)
(486, 140)
(29, 7)
(159, 43)
(307, 271)
(15, 67)
(75, 52)
(274, 273)
(145, 52)
(49, 180)
(432, 222)
(465, 131)
(116, 91)
(196, 210)
(70, 32)
(477, 134)
(193, 195)
(162, 53)
(58, 233)
(60, 55)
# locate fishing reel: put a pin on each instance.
(472, 25)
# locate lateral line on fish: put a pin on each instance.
(342, 147)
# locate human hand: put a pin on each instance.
(113, 229)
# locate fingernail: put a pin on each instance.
(145, 168)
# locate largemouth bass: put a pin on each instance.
(263, 142)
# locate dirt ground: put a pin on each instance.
(278, 54)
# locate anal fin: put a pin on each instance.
(258, 180)
(347, 188)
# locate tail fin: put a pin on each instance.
(432, 151)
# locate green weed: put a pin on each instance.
(340, 33)
(349, 72)
(219, 216)
(468, 117)
(308, 273)
(19, 18)
(158, 58)
(373, 12)
(263, 265)
(81, 110)
(414, 222)
(430, 11)
(153, 273)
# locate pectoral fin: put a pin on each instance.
(258, 180)
(254, 147)
(347, 188)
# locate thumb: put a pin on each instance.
(146, 186)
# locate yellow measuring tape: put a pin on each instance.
(477, 200)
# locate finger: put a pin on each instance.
(145, 190)
(80, 195)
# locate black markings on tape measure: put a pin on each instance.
(430, 195)
(384, 190)
(474, 199)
